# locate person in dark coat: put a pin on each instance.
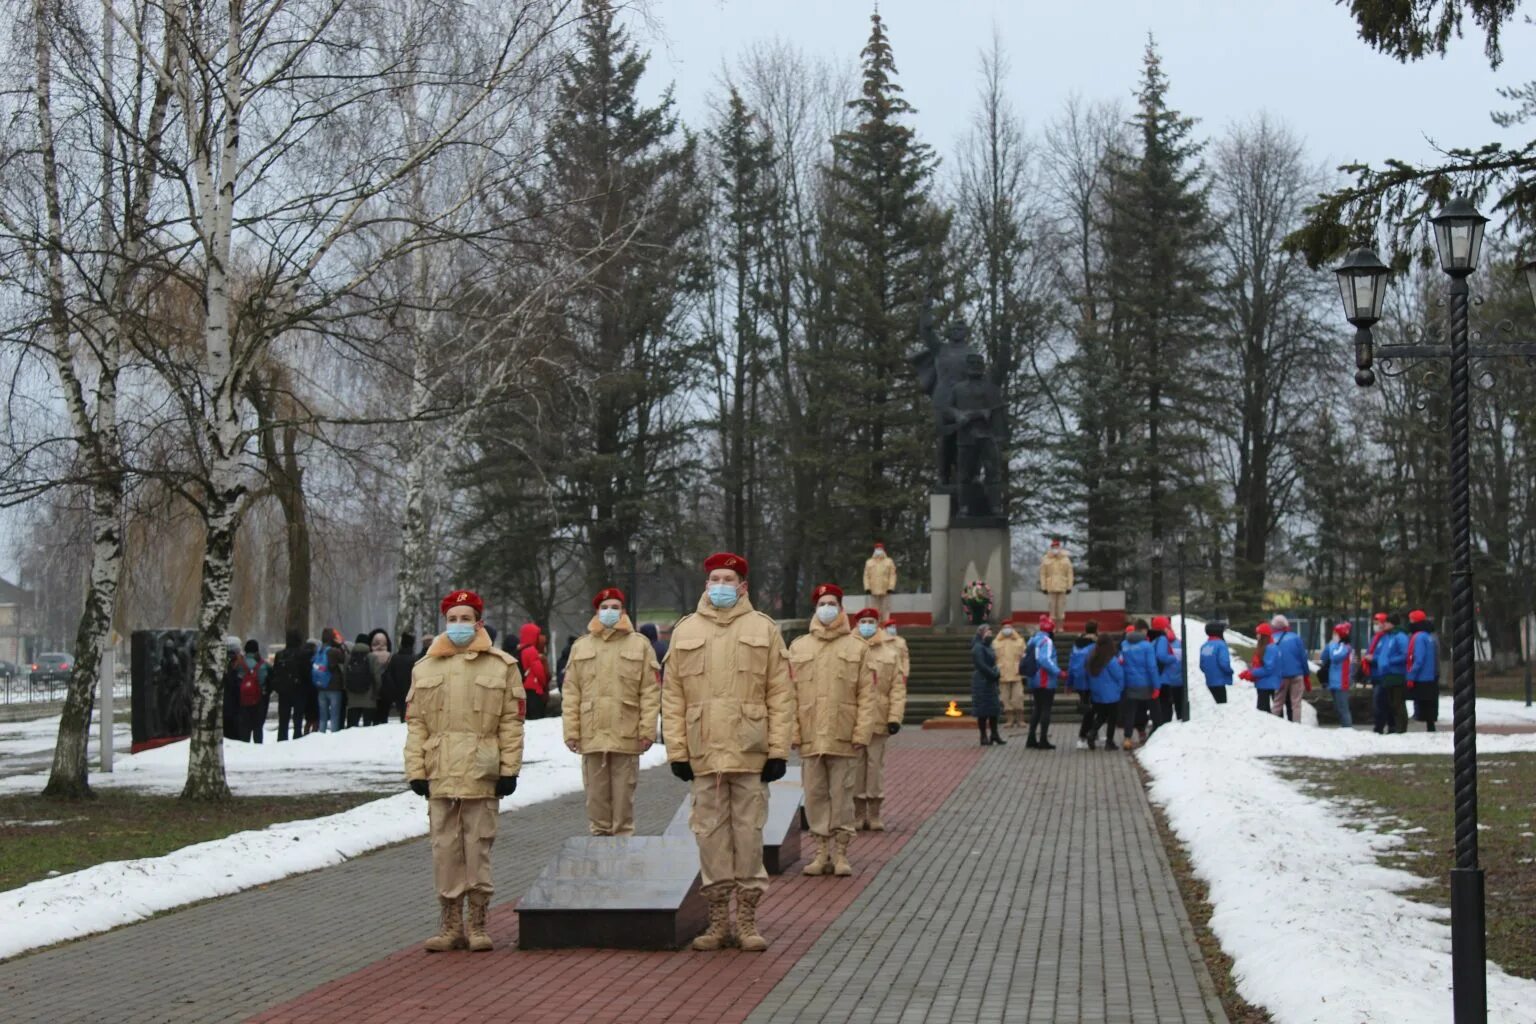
(1423, 664)
(253, 717)
(396, 682)
(234, 669)
(311, 692)
(986, 701)
(361, 698)
(564, 659)
(290, 681)
(660, 646)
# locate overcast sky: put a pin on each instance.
(1226, 61)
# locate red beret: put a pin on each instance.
(1047, 623)
(1160, 623)
(1417, 615)
(879, 543)
(465, 597)
(823, 589)
(1380, 617)
(1265, 629)
(726, 560)
(608, 594)
(887, 623)
(1343, 629)
(867, 613)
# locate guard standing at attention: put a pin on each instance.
(834, 707)
(888, 667)
(728, 709)
(463, 752)
(609, 705)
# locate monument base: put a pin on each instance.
(962, 549)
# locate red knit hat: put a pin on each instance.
(827, 589)
(726, 560)
(609, 594)
(1265, 629)
(1160, 623)
(866, 613)
(464, 597)
(1417, 615)
(1047, 624)
(1343, 629)
(1381, 617)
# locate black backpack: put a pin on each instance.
(359, 673)
(1029, 665)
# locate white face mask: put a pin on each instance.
(879, 552)
(609, 617)
(1007, 631)
(826, 613)
(891, 630)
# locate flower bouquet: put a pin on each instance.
(976, 598)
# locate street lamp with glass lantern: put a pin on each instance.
(1458, 230)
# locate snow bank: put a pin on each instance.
(1318, 931)
(122, 892)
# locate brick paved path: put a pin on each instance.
(975, 906)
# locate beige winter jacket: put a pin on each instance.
(1056, 572)
(464, 718)
(728, 705)
(611, 698)
(887, 664)
(879, 576)
(1009, 649)
(834, 690)
(904, 656)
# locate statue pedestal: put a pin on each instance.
(962, 549)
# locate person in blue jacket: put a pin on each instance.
(1170, 671)
(1264, 670)
(1106, 681)
(1388, 659)
(1138, 699)
(1334, 672)
(1042, 688)
(1216, 661)
(1077, 679)
(1423, 669)
(1294, 670)
(986, 703)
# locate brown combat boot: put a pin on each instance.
(840, 865)
(746, 921)
(479, 938)
(875, 824)
(718, 934)
(822, 863)
(860, 813)
(450, 933)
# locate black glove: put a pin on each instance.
(506, 785)
(421, 787)
(892, 728)
(774, 769)
(683, 770)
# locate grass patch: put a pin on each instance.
(121, 825)
(1414, 793)
(1503, 685)
(1198, 906)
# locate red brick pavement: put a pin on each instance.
(569, 986)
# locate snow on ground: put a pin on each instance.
(38, 735)
(1294, 882)
(118, 893)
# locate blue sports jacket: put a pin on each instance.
(1216, 662)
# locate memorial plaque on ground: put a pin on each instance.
(781, 832)
(615, 892)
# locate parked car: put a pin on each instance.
(51, 668)
(8, 670)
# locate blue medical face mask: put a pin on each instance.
(826, 613)
(460, 633)
(609, 617)
(868, 629)
(891, 630)
(723, 595)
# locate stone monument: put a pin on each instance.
(967, 517)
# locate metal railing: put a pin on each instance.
(21, 689)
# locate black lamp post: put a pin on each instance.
(1362, 283)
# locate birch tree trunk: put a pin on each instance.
(415, 534)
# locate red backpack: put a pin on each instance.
(250, 687)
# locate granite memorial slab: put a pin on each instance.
(615, 892)
(782, 830)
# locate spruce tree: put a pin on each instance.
(885, 235)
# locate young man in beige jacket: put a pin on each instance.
(833, 719)
(888, 666)
(727, 711)
(609, 703)
(463, 752)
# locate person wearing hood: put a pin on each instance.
(1333, 671)
(1216, 661)
(1264, 670)
(1077, 679)
(1294, 670)
(290, 681)
(1170, 671)
(834, 717)
(1423, 669)
(888, 672)
(728, 713)
(1105, 674)
(380, 650)
(1140, 693)
(362, 693)
(658, 645)
(608, 711)
(1042, 685)
(395, 683)
(530, 659)
(880, 579)
(234, 668)
(985, 704)
(1009, 649)
(1388, 663)
(463, 753)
